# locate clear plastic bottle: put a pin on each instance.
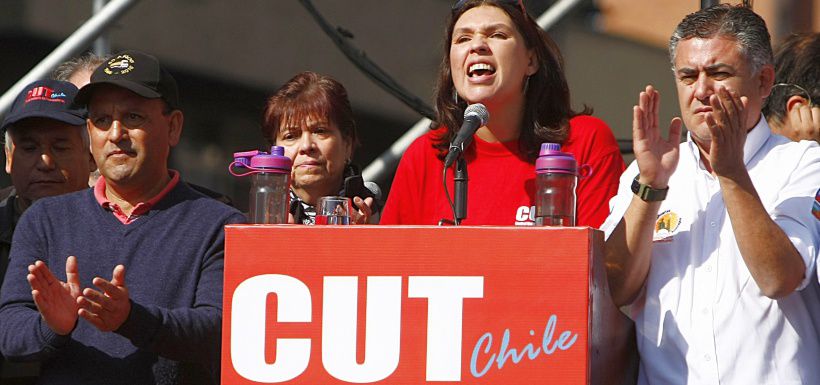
(270, 184)
(269, 198)
(556, 178)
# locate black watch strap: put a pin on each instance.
(647, 193)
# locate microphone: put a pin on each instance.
(374, 188)
(475, 116)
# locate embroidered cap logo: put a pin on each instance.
(44, 94)
(120, 65)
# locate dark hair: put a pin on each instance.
(547, 107)
(797, 63)
(88, 62)
(309, 94)
(737, 22)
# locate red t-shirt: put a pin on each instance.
(501, 188)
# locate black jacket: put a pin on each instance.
(8, 219)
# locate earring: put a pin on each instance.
(455, 96)
(526, 84)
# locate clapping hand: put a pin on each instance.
(657, 157)
(56, 300)
(727, 124)
(804, 120)
(107, 310)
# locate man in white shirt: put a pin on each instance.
(710, 273)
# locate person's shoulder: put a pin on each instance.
(785, 144)
(7, 196)
(197, 201)
(6, 193)
(211, 194)
(61, 208)
(7, 215)
(588, 127)
(427, 140)
(781, 146)
(589, 132)
(423, 145)
(588, 124)
(68, 201)
(781, 162)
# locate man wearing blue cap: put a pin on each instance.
(47, 154)
(123, 282)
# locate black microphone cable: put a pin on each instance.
(341, 37)
(455, 220)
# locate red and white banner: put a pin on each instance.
(406, 305)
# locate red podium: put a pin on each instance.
(416, 305)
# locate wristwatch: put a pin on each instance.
(647, 193)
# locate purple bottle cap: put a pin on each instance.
(276, 161)
(552, 160)
(550, 147)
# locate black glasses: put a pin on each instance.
(519, 3)
(808, 95)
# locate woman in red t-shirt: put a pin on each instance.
(495, 54)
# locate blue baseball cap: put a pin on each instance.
(50, 99)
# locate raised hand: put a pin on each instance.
(364, 210)
(106, 310)
(804, 121)
(56, 300)
(657, 157)
(728, 125)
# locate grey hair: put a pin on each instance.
(737, 22)
(88, 61)
(83, 135)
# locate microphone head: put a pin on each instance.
(374, 188)
(478, 110)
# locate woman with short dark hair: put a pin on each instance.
(311, 117)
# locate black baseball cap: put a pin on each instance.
(137, 72)
(50, 99)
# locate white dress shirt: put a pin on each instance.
(701, 318)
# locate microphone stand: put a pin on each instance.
(460, 187)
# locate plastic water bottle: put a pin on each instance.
(556, 178)
(270, 183)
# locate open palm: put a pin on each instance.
(56, 300)
(657, 157)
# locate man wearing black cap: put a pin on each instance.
(92, 325)
(46, 145)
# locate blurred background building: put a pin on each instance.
(228, 56)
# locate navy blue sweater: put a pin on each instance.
(173, 257)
